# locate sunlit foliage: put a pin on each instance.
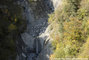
(72, 31)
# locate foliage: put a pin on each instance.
(72, 29)
(85, 48)
(10, 22)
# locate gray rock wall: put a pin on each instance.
(36, 37)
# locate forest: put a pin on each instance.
(11, 24)
(70, 24)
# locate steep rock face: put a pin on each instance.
(36, 37)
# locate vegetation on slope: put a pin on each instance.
(70, 25)
(11, 24)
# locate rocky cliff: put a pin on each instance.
(36, 38)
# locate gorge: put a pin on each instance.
(44, 29)
(36, 42)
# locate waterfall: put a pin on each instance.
(36, 47)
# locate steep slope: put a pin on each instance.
(36, 36)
